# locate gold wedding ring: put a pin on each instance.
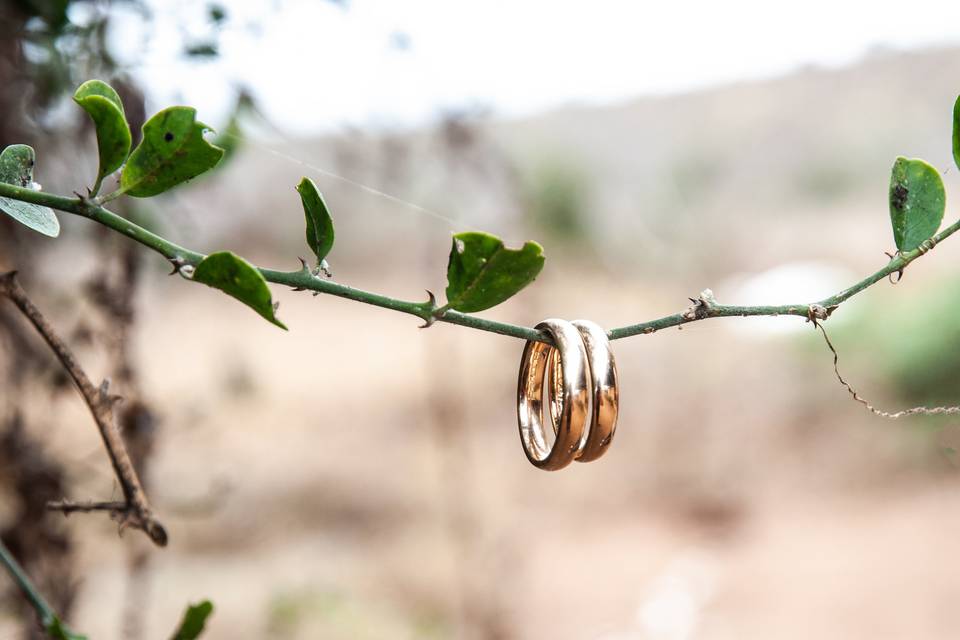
(606, 391)
(570, 413)
(575, 384)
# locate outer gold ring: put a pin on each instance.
(605, 389)
(572, 423)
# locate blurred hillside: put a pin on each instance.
(359, 478)
(732, 164)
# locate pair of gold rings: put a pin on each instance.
(575, 384)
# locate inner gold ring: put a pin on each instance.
(570, 391)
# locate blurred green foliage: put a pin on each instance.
(50, 45)
(558, 192)
(291, 613)
(914, 347)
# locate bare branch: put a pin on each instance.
(68, 506)
(137, 512)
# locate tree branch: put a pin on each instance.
(66, 507)
(137, 512)
(427, 311)
(821, 309)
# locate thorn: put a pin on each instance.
(433, 317)
(105, 397)
(85, 199)
(303, 264)
(104, 388)
(893, 256)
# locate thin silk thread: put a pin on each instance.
(358, 185)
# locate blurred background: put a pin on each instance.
(357, 477)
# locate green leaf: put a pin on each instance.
(238, 278)
(956, 132)
(103, 105)
(319, 223)
(482, 273)
(194, 619)
(172, 151)
(917, 202)
(16, 168)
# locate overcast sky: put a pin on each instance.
(318, 65)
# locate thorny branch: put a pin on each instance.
(135, 510)
(183, 260)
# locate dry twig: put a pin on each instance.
(135, 510)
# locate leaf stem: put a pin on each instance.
(113, 195)
(303, 279)
(44, 611)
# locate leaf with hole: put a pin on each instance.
(482, 273)
(194, 620)
(319, 223)
(16, 168)
(103, 106)
(172, 151)
(956, 132)
(917, 202)
(236, 277)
